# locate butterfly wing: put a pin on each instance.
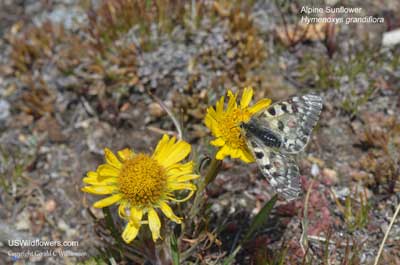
(293, 120)
(276, 134)
(280, 169)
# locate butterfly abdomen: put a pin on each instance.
(265, 135)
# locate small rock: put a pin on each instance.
(53, 128)
(155, 110)
(391, 38)
(330, 175)
(4, 109)
(359, 175)
(23, 222)
(216, 208)
(341, 193)
(50, 205)
(63, 226)
(21, 120)
(315, 170)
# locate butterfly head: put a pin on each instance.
(247, 126)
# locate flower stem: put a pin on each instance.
(212, 172)
(110, 225)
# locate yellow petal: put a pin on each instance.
(218, 142)
(208, 120)
(122, 209)
(111, 181)
(211, 119)
(188, 196)
(213, 115)
(215, 128)
(106, 171)
(235, 153)
(90, 181)
(92, 174)
(100, 190)
(232, 104)
(246, 97)
(183, 178)
(125, 154)
(169, 213)
(108, 201)
(220, 105)
(180, 169)
(181, 186)
(112, 159)
(262, 104)
(223, 152)
(92, 178)
(154, 224)
(246, 156)
(161, 144)
(130, 232)
(171, 154)
(136, 215)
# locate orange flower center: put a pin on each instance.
(229, 127)
(142, 180)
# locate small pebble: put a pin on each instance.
(315, 170)
(331, 175)
(4, 109)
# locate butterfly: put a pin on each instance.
(276, 134)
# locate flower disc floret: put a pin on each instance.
(142, 180)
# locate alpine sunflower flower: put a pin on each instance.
(223, 124)
(142, 184)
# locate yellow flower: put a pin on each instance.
(140, 184)
(224, 124)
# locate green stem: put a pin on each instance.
(110, 225)
(211, 174)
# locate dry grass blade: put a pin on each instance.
(170, 114)
(386, 235)
(304, 223)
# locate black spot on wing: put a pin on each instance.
(280, 125)
(259, 155)
(272, 111)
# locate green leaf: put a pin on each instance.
(174, 249)
(231, 258)
(260, 219)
